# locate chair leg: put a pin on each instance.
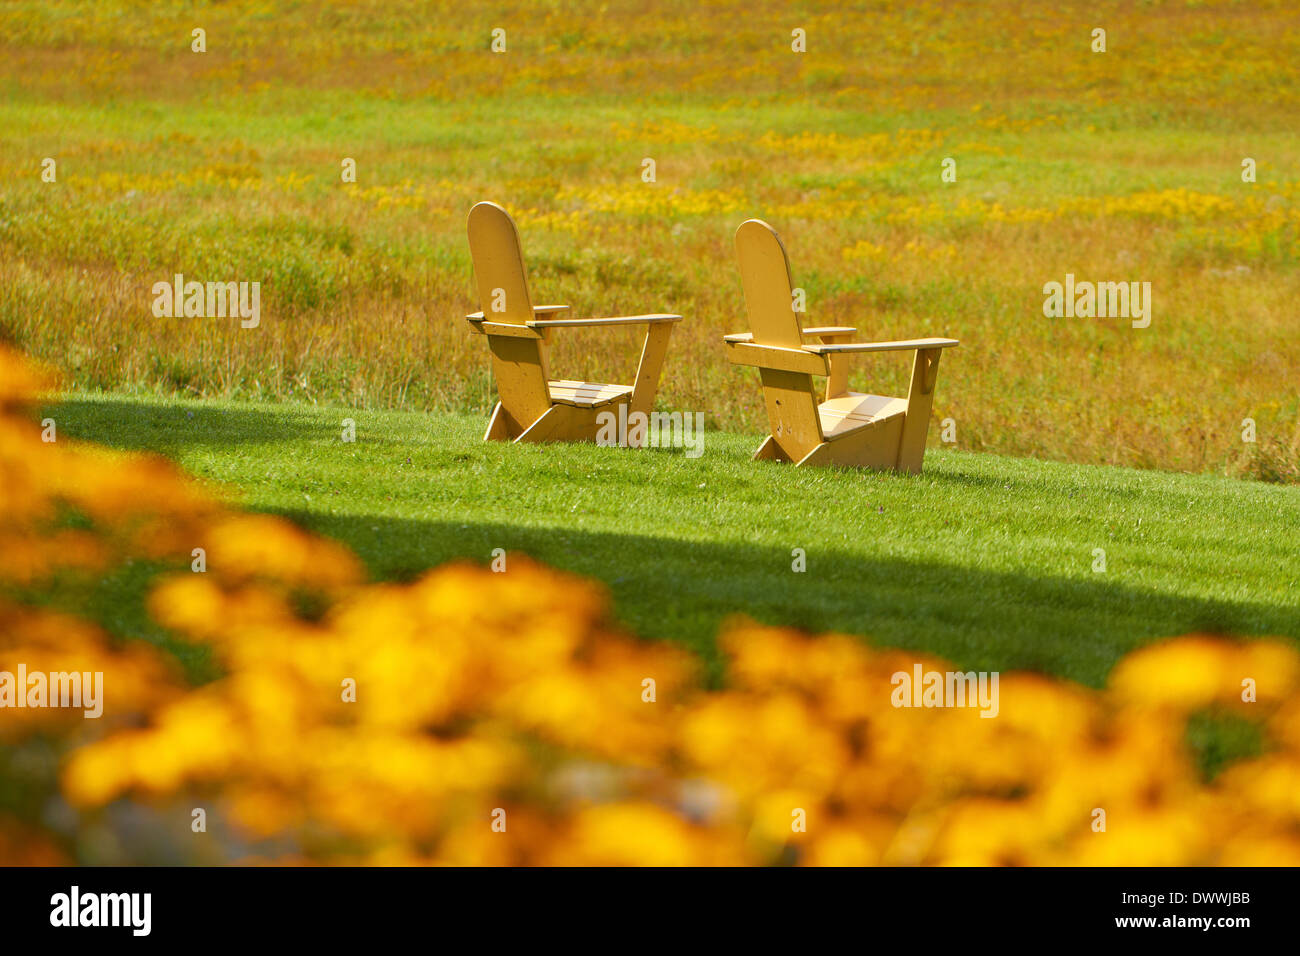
(769, 451)
(563, 423)
(497, 429)
(874, 446)
(647, 372)
(920, 399)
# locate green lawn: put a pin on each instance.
(985, 560)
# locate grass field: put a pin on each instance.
(985, 560)
(932, 166)
(1116, 166)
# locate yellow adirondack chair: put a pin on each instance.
(845, 428)
(532, 406)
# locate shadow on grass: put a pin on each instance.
(683, 591)
(167, 428)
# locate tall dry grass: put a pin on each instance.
(1117, 166)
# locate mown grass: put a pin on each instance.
(1117, 166)
(982, 559)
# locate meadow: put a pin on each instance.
(226, 165)
(301, 632)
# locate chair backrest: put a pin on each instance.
(790, 398)
(498, 265)
(519, 365)
(765, 276)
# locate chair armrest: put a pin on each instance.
(904, 345)
(801, 360)
(827, 330)
(831, 330)
(537, 310)
(653, 319)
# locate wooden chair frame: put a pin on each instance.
(845, 428)
(532, 406)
